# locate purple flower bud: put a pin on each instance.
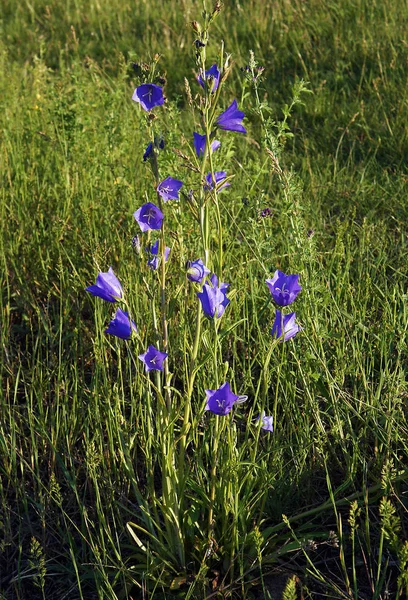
(121, 326)
(107, 287)
(231, 119)
(148, 95)
(149, 216)
(284, 288)
(153, 359)
(285, 326)
(169, 189)
(221, 401)
(148, 152)
(158, 142)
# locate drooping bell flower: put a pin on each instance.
(107, 287)
(121, 326)
(285, 326)
(158, 142)
(231, 119)
(213, 298)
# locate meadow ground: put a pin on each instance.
(107, 490)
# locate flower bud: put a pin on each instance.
(217, 8)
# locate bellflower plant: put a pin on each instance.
(149, 216)
(287, 323)
(107, 287)
(197, 271)
(200, 142)
(169, 428)
(148, 95)
(284, 288)
(121, 326)
(211, 78)
(221, 401)
(219, 177)
(153, 359)
(213, 298)
(169, 189)
(231, 119)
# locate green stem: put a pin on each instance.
(217, 434)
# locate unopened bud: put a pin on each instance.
(196, 26)
(217, 8)
(226, 367)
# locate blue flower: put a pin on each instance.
(121, 326)
(221, 401)
(211, 78)
(219, 177)
(231, 119)
(213, 298)
(197, 271)
(149, 216)
(284, 288)
(287, 324)
(200, 142)
(107, 287)
(148, 95)
(169, 189)
(148, 151)
(158, 142)
(153, 359)
(155, 260)
(267, 422)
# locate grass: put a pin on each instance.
(84, 439)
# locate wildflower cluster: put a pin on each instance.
(212, 293)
